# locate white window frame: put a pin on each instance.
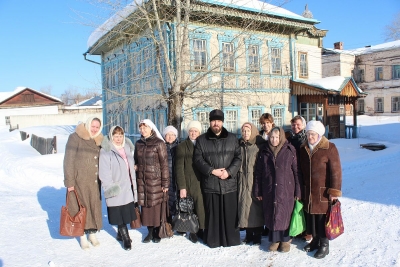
(199, 54)
(396, 104)
(303, 65)
(379, 101)
(254, 58)
(228, 56)
(231, 120)
(276, 61)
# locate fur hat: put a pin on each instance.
(316, 126)
(89, 123)
(170, 128)
(216, 114)
(194, 124)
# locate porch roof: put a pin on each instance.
(336, 85)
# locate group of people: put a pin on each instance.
(248, 184)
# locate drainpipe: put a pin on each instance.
(84, 56)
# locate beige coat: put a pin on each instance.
(81, 163)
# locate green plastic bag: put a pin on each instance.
(298, 221)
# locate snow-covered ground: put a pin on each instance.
(32, 193)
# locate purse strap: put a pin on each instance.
(77, 198)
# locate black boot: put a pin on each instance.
(193, 237)
(200, 234)
(257, 235)
(265, 231)
(126, 240)
(249, 236)
(156, 237)
(313, 245)
(119, 237)
(323, 249)
(149, 236)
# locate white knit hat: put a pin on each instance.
(194, 124)
(316, 126)
(170, 128)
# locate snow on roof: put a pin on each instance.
(6, 95)
(249, 5)
(369, 49)
(329, 83)
(93, 101)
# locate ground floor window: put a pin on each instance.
(396, 104)
(311, 111)
(360, 105)
(254, 115)
(231, 120)
(7, 120)
(279, 115)
(378, 104)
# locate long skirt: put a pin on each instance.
(119, 215)
(151, 216)
(278, 236)
(315, 224)
(221, 220)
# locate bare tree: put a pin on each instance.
(46, 89)
(168, 65)
(392, 31)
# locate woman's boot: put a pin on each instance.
(156, 237)
(93, 239)
(257, 235)
(84, 242)
(149, 236)
(313, 245)
(126, 240)
(249, 236)
(323, 249)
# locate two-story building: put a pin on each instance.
(376, 69)
(239, 56)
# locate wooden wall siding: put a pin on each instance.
(28, 98)
(303, 89)
(349, 90)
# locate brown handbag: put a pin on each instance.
(72, 225)
(136, 223)
(165, 227)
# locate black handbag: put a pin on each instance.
(185, 220)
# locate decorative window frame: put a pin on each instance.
(300, 53)
(237, 109)
(395, 104)
(253, 41)
(274, 44)
(195, 116)
(228, 37)
(199, 34)
(283, 108)
(250, 109)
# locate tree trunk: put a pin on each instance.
(175, 102)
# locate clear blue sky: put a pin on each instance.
(42, 41)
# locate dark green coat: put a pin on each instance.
(187, 177)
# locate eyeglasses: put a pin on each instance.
(311, 134)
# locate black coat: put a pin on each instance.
(171, 151)
(214, 152)
(276, 181)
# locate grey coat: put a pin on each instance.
(189, 178)
(81, 161)
(250, 209)
(115, 178)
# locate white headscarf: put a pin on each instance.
(110, 136)
(89, 123)
(153, 127)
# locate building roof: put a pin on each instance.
(332, 85)
(93, 101)
(256, 6)
(368, 49)
(6, 95)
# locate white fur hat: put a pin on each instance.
(170, 128)
(316, 126)
(194, 124)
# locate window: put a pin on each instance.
(254, 60)
(199, 54)
(228, 60)
(7, 120)
(361, 75)
(396, 72)
(396, 104)
(278, 114)
(28, 98)
(311, 111)
(360, 105)
(303, 65)
(202, 117)
(255, 114)
(230, 122)
(378, 104)
(276, 61)
(378, 73)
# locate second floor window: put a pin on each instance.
(361, 75)
(228, 57)
(396, 72)
(254, 62)
(378, 73)
(199, 54)
(303, 65)
(276, 61)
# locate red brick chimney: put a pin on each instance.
(338, 45)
